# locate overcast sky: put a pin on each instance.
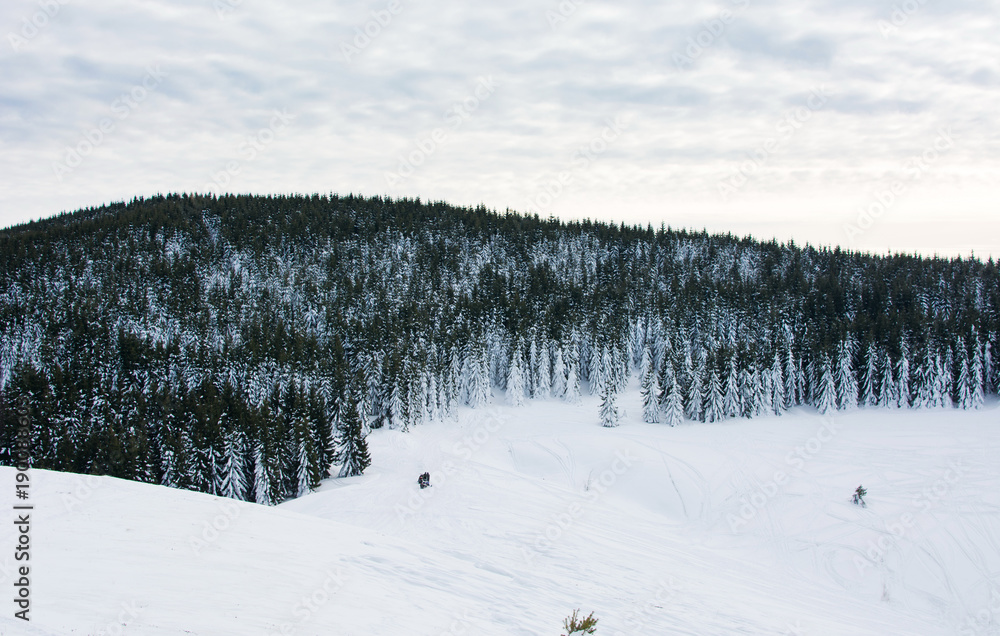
(870, 124)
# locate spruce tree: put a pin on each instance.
(353, 452)
(868, 395)
(847, 383)
(649, 389)
(826, 400)
(515, 380)
(673, 408)
(714, 409)
(610, 415)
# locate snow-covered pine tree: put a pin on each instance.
(887, 396)
(433, 396)
(732, 403)
(533, 371)
(304, 462)
(991, 383)
(353, 447)
(948, 373)
(649, 388)
(558, 374)
(847, 383)
(515, 379)
(978, 382)
(801, 386)
(572, 394)
(714, 409)
(234, 483)
(792, 396)
(940, 396)
(826, 400)
(263, 488)
(777, 386)
(965, 383)
(694, 405)
(903, 375)
(396, 407)
(599, 367)
(868, 386)
(543, 373)
(610, 415)
(673, 407)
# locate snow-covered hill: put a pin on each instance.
(741, 527)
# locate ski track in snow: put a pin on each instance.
(510, 539)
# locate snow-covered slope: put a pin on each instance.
(743, 527)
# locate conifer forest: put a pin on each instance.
(244, 346)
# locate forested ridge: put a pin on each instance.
(243, 345)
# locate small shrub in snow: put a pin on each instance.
(575, 625)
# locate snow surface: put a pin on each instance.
(536, 511)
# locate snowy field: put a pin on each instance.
(741, 527)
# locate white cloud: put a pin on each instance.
(752, 64)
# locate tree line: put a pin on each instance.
(245, 345)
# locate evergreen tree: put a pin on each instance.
(263, 488)
(558, 375)
(777, 386)
(903, 375)
(610, 415)
(694, 405)
(847, 384)
(649, 389)
(714, 405)
(792, 395)
(572, 394)
(234, 481)
(353, 453)
(515, 380)
(732, 403)
(887, 394)
(673, 407)
(978, 382)
(826, 400)
(868, 396)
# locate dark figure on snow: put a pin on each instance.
(859, 496)
(424, 480)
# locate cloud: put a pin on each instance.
(230, 64)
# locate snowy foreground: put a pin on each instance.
(742, 527)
